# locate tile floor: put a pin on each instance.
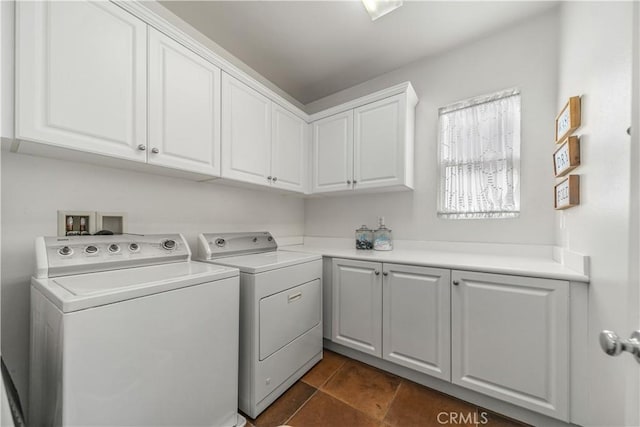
(343, 392)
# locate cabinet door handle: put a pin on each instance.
(154, 150)
(348, 182)
(377, 273)
(142, 147)
(384, 273)
(269, 178)
(275, 178)
(456, 283)
(355, 182)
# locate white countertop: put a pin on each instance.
(533, 264)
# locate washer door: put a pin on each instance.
(287, 315)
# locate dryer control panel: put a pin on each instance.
(216, 245)
(61, 256)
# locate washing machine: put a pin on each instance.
(126, 330)
(280, 312)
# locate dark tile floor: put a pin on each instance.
(343, 392)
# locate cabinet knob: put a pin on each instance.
(142, 147)
(269, 178)
(456, 283)
(385, 273)
(275, 178)
(154, 150)
(377, 273)
(349, 182)
(355, 182)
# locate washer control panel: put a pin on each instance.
(81, 254)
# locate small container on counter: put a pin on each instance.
(382, 238)
(364, 238)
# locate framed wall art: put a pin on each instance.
(569, 119)
(567, 157)
(567, 192)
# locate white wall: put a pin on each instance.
(595, 62)
(34, 188)
(523, 56)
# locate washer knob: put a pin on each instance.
(65, 251)
(169, 244)
(113, 248)
(134, 247)
(91, 249)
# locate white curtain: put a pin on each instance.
(479, 146)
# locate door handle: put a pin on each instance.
(294, 297)
(613, 345)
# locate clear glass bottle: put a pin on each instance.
(382, 237)
(364, 238)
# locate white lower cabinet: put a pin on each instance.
(509, 339)
(416, 318)
(401, 315)
(357, 305)
(503, 336)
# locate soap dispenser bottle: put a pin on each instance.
(382, 239)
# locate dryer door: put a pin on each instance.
(287, 315)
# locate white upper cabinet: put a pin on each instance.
(246, 133)
(333, 153)
(184, 108)
(81, 77)
(262, 143)
(289, 152)
(366, 144)
(380, 145)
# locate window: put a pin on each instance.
(479, 164)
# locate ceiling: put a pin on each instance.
(311, 49)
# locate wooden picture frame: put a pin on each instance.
(568, 120)
(567, 193)
(567, 157)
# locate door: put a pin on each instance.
(416, 318)
(333, 153)
(184, 108)
(509, 339)
(357, 305)
(82, 77)
(246, 132)
(288, 150)
(379, 143)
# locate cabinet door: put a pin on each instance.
(81, 77)
(379, 143)
(333, 153)
(416, 318)
(288, 150)
(184, 108)
(246, 132)
(357, 305)
(509, 339)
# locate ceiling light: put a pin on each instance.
(378, 8)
